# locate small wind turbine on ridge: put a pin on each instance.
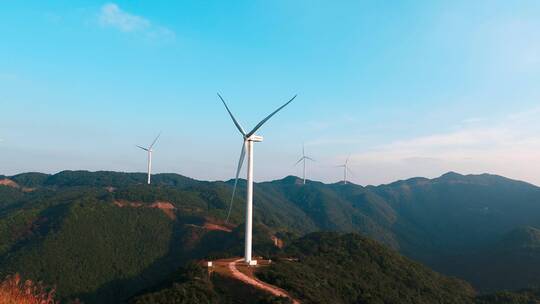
(303, 159)
(346, 169)
(149, 150)
(248, 139)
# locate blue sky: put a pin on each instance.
(409, 88)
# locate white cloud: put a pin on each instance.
(111, 15)
(510, 147)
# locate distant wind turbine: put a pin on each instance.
(303, 159)
(346, 169)
(150, 150)
(248, 139)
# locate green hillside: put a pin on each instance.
(193, 284)
(510, 263)
(457, 213)
(331, 268)
(83, 240)
(526, 296)
(523, 237)
(334, 268)
(95, 251)
(101, 231)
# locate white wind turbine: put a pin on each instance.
(248, 139)
(149, 150)
(303, 159)
(346, 169)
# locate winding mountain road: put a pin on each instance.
(248, 278)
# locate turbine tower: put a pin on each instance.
(346, 169)
(303, 159)
(149, 150)
(248, 139)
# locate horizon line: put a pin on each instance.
(273, 180)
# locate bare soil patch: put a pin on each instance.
(167, 207)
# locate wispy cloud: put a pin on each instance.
(510, 147)
(473, 120)
(112, 16)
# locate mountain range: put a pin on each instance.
(105, 236)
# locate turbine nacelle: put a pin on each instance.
(254, 138)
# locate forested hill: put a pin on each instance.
(327, 268)
(341, 269)
(60, 228)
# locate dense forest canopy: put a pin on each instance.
(102, 236)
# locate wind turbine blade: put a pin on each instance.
(142, 148)
(232, 116)
(349, 170)
(303, 150)
(240, 163)
(307, 157)
(268, 117)
(301, 159)
(154, 142)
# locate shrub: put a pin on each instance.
(13, 290)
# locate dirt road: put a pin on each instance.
(231, 267)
